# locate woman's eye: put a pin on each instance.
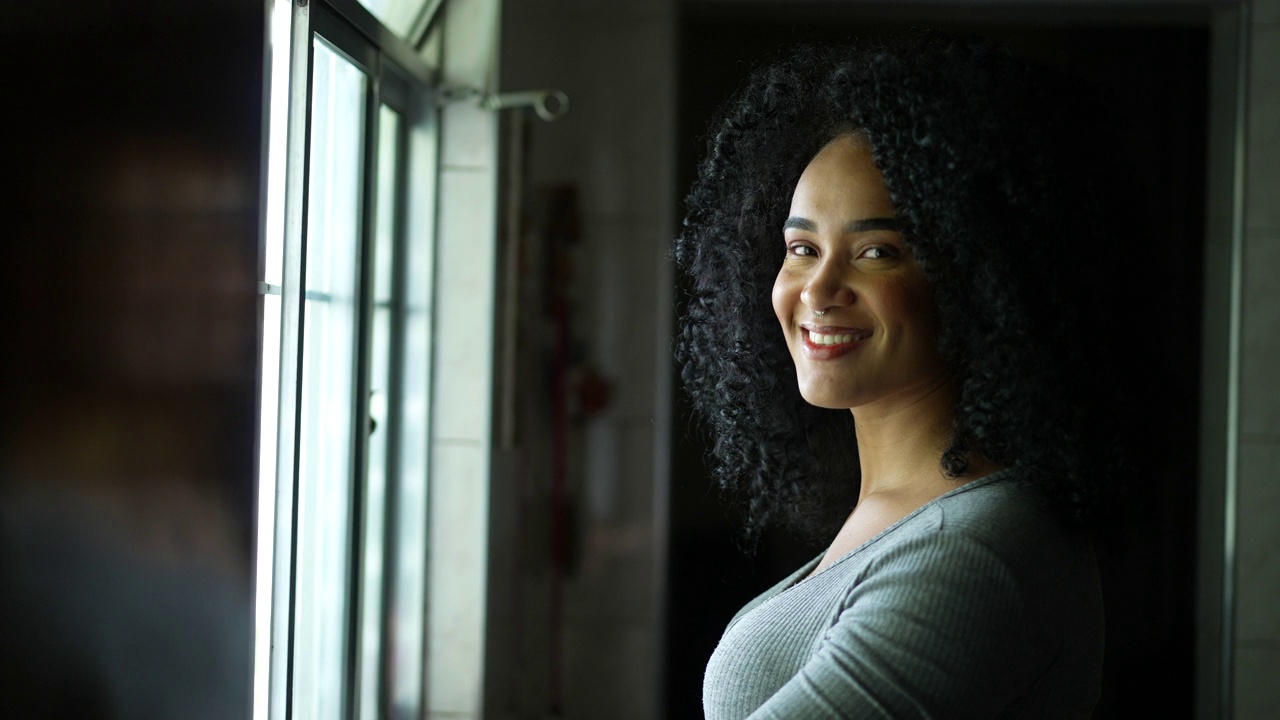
(801, 250)
(877, 252)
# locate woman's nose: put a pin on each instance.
(827, 287)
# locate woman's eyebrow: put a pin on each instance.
(868, 224)
(854, 226)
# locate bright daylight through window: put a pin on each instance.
(346, 288)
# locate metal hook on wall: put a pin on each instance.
(548, 104)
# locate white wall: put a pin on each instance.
(461, 430)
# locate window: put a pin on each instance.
(346, 289)
(407, 18)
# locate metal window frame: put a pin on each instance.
(398, 79)
(400, 51)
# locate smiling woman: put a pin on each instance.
(918, 397)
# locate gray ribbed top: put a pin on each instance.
(976, 605)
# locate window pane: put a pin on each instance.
(408, 604)
(381, 389)
(397, 15)
(328, 386)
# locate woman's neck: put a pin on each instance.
(901, 441)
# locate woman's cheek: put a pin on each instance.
(780, 298)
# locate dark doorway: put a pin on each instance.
(1153, 71)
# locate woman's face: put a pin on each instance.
(853, 304)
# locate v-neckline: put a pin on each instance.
(807, 573)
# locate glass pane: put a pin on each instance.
(328, 386)
(409, 580)
(398, 15)
(381, 390)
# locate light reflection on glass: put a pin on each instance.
(397, 15)
(408, 601)
(381, 387)
(328, 386)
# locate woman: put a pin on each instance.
(887, 335)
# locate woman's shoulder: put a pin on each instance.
(994, 540)
(1002, 499)
(1011, 518)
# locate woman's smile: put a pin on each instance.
(828, 343)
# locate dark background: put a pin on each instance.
(128, 356)
(1153, 73)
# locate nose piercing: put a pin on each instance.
(819, 313)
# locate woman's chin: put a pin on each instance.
(825, 398)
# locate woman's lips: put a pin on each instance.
(828, 343)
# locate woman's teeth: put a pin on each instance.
(824, 339)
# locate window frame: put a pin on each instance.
(398, 79)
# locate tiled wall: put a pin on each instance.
(615, 62)
(1257, 648)
(462, 383)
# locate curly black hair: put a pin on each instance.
(986, 161)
